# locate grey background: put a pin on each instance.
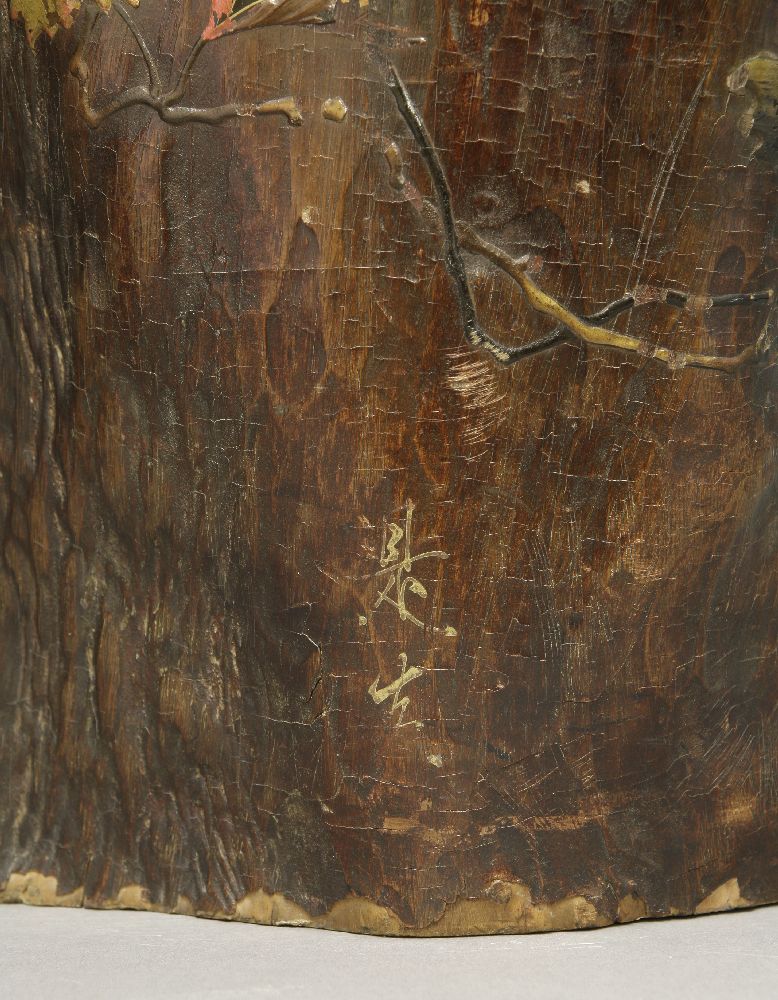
(84, 954)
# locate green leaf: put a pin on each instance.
(41, 16)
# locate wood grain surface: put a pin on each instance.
(311, 609)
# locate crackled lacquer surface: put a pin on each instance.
(318, 604)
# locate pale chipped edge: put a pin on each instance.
(724, 897)
(506, 908)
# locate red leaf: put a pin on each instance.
(265, 13)
(220, 19)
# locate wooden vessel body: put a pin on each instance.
(311, 609)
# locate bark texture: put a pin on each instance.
(238, 403)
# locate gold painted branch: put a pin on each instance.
(589, 333)
(458, 235)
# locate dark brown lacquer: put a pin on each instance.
(389, 459)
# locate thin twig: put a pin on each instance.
(151, 66)
(454, 260)
(459, 235)
(186, 70)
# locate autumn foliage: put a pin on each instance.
(225, 16)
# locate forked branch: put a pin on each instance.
(458, 235)
(165, 102)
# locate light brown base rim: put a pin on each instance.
(506, 908)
